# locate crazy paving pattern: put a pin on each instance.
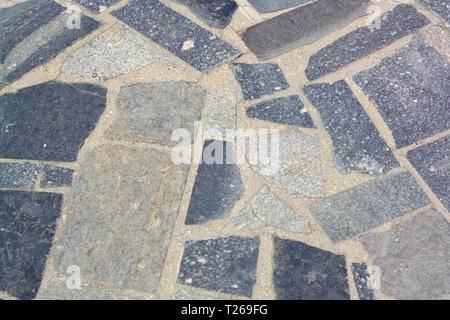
(200, 150)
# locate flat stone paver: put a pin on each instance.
(440, 7)
(264, 6)
(369, 205)
(53, 176)
(18, 175)
(302, 272)
(413, 257)
(362, 281)
(357, 144)
(225, 265)
(96, 6)
(216, 13)
(415, 103)
(185, 294)
(220, 113)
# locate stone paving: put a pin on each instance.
(122, 175)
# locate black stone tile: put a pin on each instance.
(357, 144)
(18, 24)
(432, 162)
(258, 80)
(171, 31)
(264, 6)
(411, 90)
(286, 110)
(395, 24)
(440, 7)
(217, 185)
(301, 26)
(362, 281)
(53, 176)
(27, 227)
(216, 13)
(96, 5)
(306, 273)
(225, 265)
(18, 175)
(51, 120)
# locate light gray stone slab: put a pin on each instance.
(185, 294)
(264, 6)
(18, 175)
(220, 113)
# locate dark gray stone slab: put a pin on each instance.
(18, 175)
(27, 227)
(369, 205)
(32, 33)
(301, 26)
(440, 7)
(411, 90)
(53, 176)
(286, 110)
(362, 281)
(49, 121)
(432, 162)
(217, 185)
(303, 272)
(216, 13)
(179, 35)
(264, 6)
(258, 80)
(96, 6)
(225, 265)
(395, 24)
(357, 144)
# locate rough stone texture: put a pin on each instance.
(357, 144)
(53, 176)
(49, 121)
(432, 162)
(117, 51)
(32, 33)
(27, 227)
(18, 175)
(258, 80)
(225, 265)
(174, 32)
(150, 112)
(366, 206)
(415, 103)
(302, 272)
(119, 224)
(439, 38)
(413, 257)
(264, 6)
(216, 13)
(440, 7)
(265, 209)
(299, 170)
(96, 6)
(395, 24)
(281, 34)
(185, 294)
(285, 110)
(220, 113)
(217, 185)
(362, 281)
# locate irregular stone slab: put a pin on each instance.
(53, 176)
(395, 24)
(216, 13)
(413, 257)
(258, 80)
(184, 294)
(440, 7)
(179, 35)
(18, 175)
(297, 170)
(432, 162)
(96, 6)
(362, 281)
(220, 113)
(225, 265)
(369, 205)
(281, 34)
(117, 51)
(264, 6)
(120, 223)
(411, 91)
(439, 38)
(265, 209)
(302, 272)
(150, 112)
(49, 121)
(357, 144)
(285, 110)
(27, 227)
(32, 33)
(217, 186)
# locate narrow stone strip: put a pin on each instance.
(96, 6)
(440, 7)
(362, 281)
(53, 177)
(18, 175)
(264, 6)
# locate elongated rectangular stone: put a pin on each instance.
(440, 7)
(18, 175)
(367, 206)
(197, 46)
(362, 281)
(264, 6)
(96, 6)
(301, 26)
(216, 13)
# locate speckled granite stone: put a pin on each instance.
(216, 13)
(18, 175)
